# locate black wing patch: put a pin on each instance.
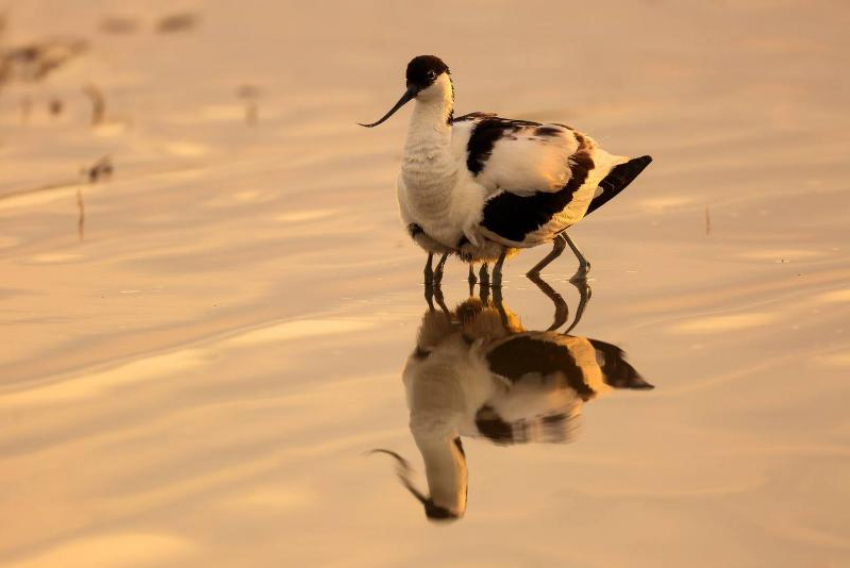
(484, 136)
(514, 216)
(549, 131)
(523, 355)
(616, 371)
(617, 180)
(491, 425)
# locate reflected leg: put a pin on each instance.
(484, 294)
(559, 243)
(429, 272)
(585, 292)
(500, 305)
(429, 295)
(561, 309)
(472, 280)
(497, 269)
(438, 296)
(429, 281)
(483, 275)
(583, 264)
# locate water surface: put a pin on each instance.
(200, 351)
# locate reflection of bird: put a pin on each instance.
(476, 372)
(482, 186)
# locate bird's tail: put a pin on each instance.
(617, 180)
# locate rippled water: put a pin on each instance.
(201, 351)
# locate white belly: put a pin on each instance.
(446, 214)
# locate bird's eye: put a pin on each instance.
(432, 74)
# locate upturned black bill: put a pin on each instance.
(405, 98)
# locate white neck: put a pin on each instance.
(445, 468)
(429, 123)
(429, 168)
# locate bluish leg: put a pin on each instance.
(583, 264)
(438, 273)
(429, 272)
(559, 243)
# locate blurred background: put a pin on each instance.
(207, 298)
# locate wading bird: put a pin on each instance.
(482, 186)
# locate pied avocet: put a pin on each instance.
(483, 186)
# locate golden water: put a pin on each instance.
(196, 355)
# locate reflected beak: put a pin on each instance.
(405, 98)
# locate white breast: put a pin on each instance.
(436, 191)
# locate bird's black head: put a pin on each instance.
(423, 70)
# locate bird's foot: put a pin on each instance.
(484, 276)
(429, 295)
(437, 279)
(581, 274)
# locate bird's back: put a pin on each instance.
(539, 178)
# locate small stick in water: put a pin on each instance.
(707, 222)
(81, 215)
(98, 103)
(249, 94)
(100, 170)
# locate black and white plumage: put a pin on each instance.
(476, 372)
(482, 186)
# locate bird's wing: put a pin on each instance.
(542, 419)
(545, 354)
(520, 156)
(545, 391)
(539, 178)
(616, 181)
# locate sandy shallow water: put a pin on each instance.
(198, 353)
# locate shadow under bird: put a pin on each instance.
(482, 187)
(477, 372)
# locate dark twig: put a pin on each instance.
(98, 103)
